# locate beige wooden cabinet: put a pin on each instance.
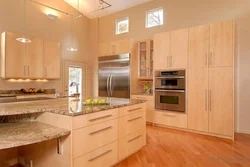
(171, 119)
(115, 48)
(220, 99)
(171, 49)
(149, 106)
(52, 60)
(178, 49)
(221, 44)
(36, 60)
(145, 59)
(210, 79)
(161, 50)
(13, 58)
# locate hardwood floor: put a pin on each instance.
(173, 148)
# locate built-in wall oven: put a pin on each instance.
(170, 90)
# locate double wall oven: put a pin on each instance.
(170, 90)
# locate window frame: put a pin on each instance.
(116, 25)
(152, 10)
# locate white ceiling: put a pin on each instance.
(90, 8)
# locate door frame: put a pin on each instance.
(66, 63)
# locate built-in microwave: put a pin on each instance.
(170, 90)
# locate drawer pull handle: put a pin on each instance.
(95, 119)
(134, 138)
(92, 133)
(134, 119)
(134, 109)
(169, 115)
(106, 152)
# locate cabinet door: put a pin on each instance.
(161, 50)
(198, 46)
(197, 99)
(179, 49)
(34, 58)
(13, 53)
(52, 60)
(122, 46)
(221, 44)
(221, 101)
(103, 49)
(151, 57)
(143, 59)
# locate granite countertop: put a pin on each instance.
(63, 106)
(19, 134)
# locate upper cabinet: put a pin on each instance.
(52, 59)
(36, 60)
(161, 50)
(145, 59)
(115, 48)
(198, 46)
(178, 49)
(211, 45)
(221, 44)
(13, 59)
(171, 49)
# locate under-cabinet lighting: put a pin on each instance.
(27, 80)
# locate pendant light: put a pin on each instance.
(72, 48)
(23, 39)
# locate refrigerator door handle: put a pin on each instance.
(110, 85)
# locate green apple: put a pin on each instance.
(88, 101)
(95, 101)
(103, 101)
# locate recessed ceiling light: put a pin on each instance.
(24, 40)
(52, 16)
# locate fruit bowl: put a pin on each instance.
(33, 90)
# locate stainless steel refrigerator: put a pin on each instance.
(114, 76)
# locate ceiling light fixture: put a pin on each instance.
(24, 39)
(52, 16)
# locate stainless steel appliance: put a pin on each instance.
(170, 90)
(114, 76)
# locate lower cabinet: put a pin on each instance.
(99, 135)
(131, 143)
(171, 119)
(149, 105)
(104, 138)
(107, 155)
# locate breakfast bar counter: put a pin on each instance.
(24, 133)
(63, 106)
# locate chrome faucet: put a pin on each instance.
(76, 85)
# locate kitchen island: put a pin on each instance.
(99, 135)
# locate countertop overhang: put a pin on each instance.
(25, 133)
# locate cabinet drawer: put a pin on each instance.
(171, 119)
(131, 143)
(93, 137)
(131, 123)
(107, 155)
(90, 119)
(131, 109)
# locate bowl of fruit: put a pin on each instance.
(33, 90)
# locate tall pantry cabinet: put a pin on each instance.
(210, 78)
